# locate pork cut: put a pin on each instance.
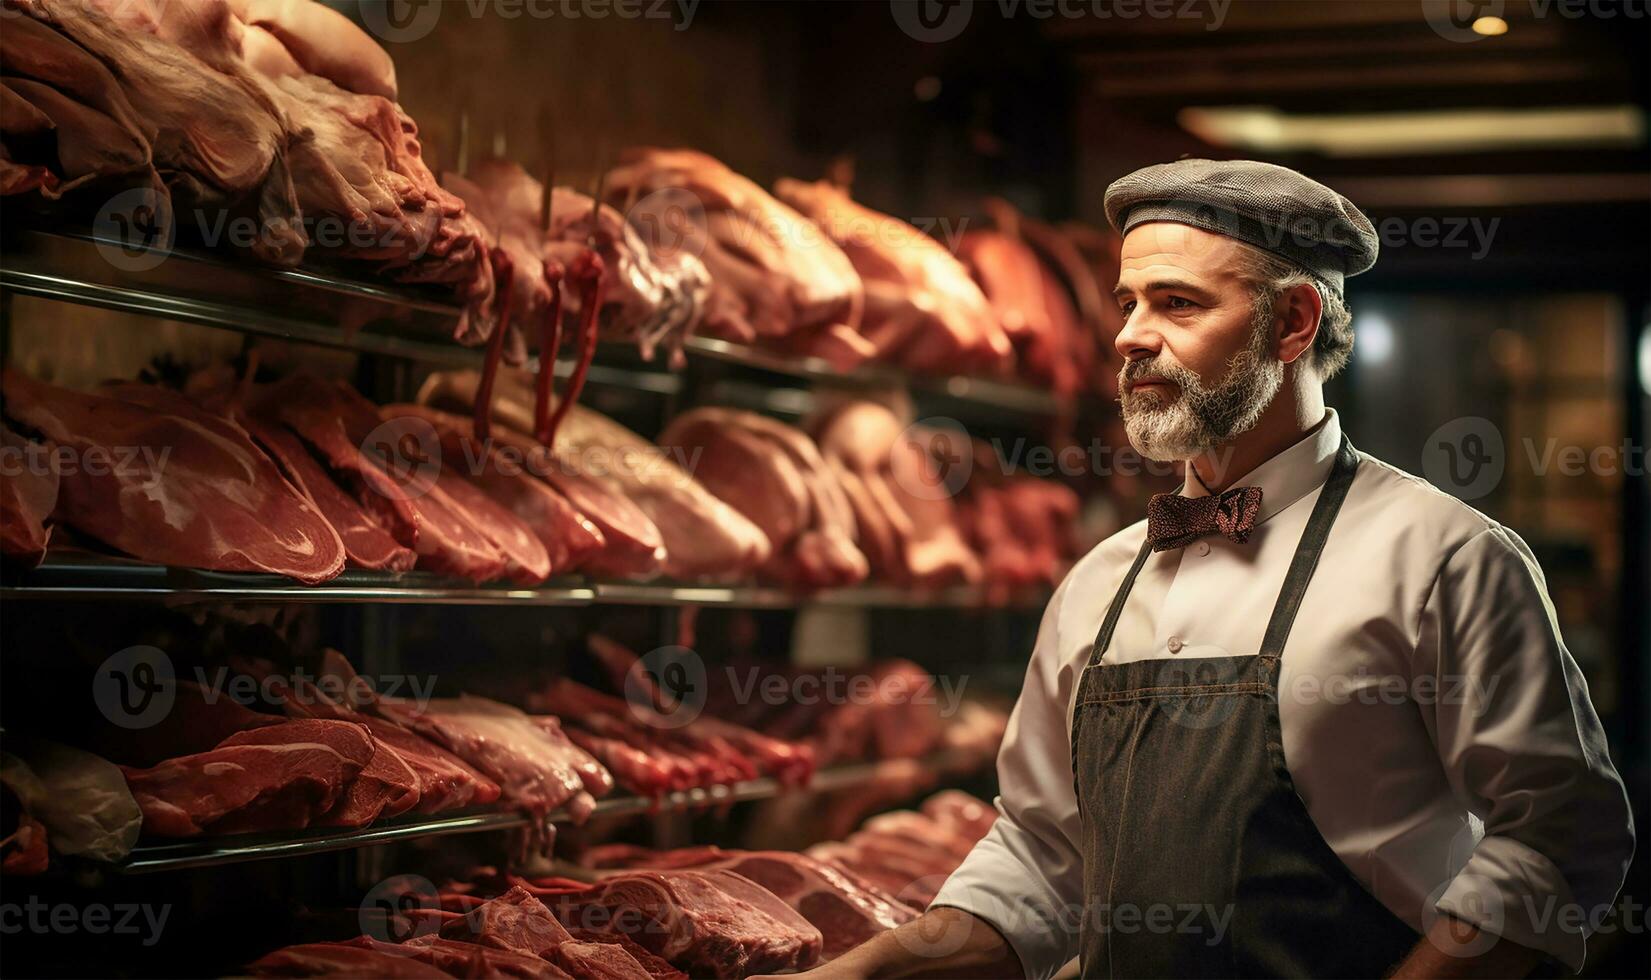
(504, 473)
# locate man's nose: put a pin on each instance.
(1137, 341)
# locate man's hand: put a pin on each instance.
(1454, 948)
(943, 942)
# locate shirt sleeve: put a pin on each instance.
(1025, 877)
(1524, 751)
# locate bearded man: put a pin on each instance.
(1312, 717)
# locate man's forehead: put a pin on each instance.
(1165, 243)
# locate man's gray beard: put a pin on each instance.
(1202, 417)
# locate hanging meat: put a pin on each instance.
(922, 311)
(774, 279)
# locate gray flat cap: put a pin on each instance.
(1273, 208)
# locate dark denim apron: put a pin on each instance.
(1199, 858)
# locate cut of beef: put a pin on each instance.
(367, 542)
(180, 486)
(370, 458)
(656, 967)
(276, 777)
(597, 961)
(689, 919)
(515, 920)
(704, 538)
(535, 771)
(463, 959)
(846, 913)
(568, 537)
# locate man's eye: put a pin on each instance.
(1179, 303)
(1126, 308)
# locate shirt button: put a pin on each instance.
(1203, 548)
(1175, 644)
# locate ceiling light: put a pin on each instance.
(1490, 26)
(1404, 133)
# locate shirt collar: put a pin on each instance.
(1289, 475)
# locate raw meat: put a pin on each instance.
(325, 42)
(280, 777)
(535, 772)
(772, 275)
(445, 781)
(846, 913)
(515, 920)
(651, 296)
(907, 521)
(219, 137)
(503, 472)
(213, 501)
(775, 475)
(28, 494)
(597, 961)
(656, 967)
(923, 311)
(704, 538)
(101, 124)
(689, 919)
(366, 541)
(388, 479)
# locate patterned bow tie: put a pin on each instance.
(1174, 521)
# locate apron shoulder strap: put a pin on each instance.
(1309, 550)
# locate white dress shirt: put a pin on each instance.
(1434, 724)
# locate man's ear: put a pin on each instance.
(1296, 316)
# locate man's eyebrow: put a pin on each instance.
(1160, 286)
